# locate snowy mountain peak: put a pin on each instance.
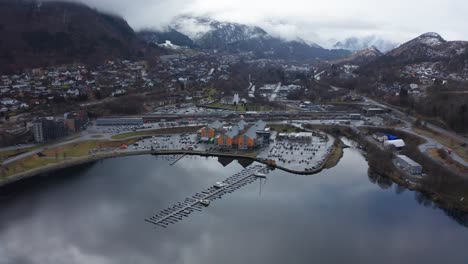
(198, 28)
(356, 44)
(430, 38)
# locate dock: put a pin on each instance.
(179, 158)
(184, 208)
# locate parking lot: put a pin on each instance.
(169, 142)
(300, 156)
(187, 109)
(148, 126)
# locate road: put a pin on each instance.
(431, 143)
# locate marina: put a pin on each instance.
(202, 199)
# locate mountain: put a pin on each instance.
(357, 44)
(172, 35)
(361, 57)
(428, 51)
(212, 34)
(270, 47)
(233, 37)
(46, 33)
(427, 47)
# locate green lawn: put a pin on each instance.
(11, 153)
(285, 128)
(59, 154)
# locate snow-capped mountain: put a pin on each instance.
(233, 37)
(212, 34)
(356, 44)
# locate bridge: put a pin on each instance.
(199, 200)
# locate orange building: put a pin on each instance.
(211, 130)
(228, 139)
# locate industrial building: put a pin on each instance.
(375, 110)
(409, 165)
(119, 122)
(399, 144)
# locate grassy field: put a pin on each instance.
(163, 131)
(11, 153)
(285, 128)
(25, 164)
(59, 154)
(97, 136)
(334, 157)
(447, 160)
(452, 143)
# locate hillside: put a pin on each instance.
(50, 33)
(361, 57)
(172, 35)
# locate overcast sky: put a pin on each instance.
(311, 20)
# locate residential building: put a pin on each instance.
(46, 129)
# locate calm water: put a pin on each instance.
(94, 214)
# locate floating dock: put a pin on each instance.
(182, 209)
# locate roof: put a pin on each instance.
(408, 160)
(241, 125)
(252, 132)
(399, 143)
(304, 134)
(391, 137)
(233, 132)
(216, 125)
(258, 126)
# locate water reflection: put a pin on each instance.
(422, 199)
(333, 217)
(382, 181)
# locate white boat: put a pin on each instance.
(205, 202)
(259, 175)
(219, 185)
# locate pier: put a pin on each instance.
(179, 158)
(201, 199)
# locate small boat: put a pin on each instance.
(219, 185)
(205, 202)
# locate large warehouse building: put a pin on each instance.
(409, 165)
(119, 122)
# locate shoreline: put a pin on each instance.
(103, 156)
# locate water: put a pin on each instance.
(94, 214)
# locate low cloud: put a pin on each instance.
(313, 21)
